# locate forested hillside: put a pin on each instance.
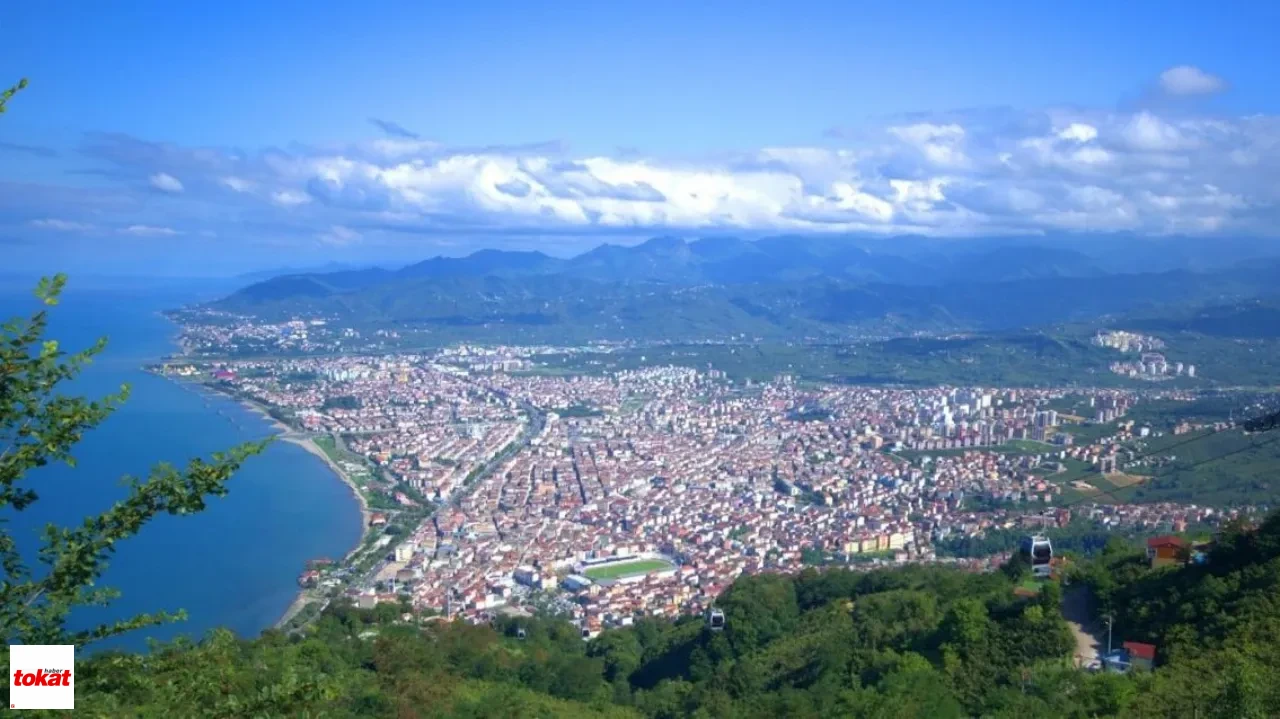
(914, 642)
(1216, 625)
(775, 288)
(908, 642)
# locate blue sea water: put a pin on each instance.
(233, 565)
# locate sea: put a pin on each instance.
(233, 565)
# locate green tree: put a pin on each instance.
(1017, 567)
(621, 652)
(1243, 696)
(39, 426)
(759, 609)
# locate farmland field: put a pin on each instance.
(1120, 480)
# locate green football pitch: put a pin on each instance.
(641, 566)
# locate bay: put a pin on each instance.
(234, 564)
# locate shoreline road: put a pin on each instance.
(1077, 609)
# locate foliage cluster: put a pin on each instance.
(1215, 624)
(904, 642)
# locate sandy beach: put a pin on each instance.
(296, 606)
(288, 434)
(262, 411)
(312, 447)
(306, 443)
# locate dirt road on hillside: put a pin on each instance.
(1090, 634)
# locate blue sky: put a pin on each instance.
(232, 135)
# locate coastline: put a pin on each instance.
(303, 598)
(256, 408)
(309, 445)
(290, 435)
(287, 434)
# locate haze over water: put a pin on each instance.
(233, 565)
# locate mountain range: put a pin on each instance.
(781, 286)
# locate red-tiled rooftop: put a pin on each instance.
(1141, 650)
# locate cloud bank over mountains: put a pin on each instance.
(980, 172)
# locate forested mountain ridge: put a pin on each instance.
(637, 293)
(893, 260)
(908, 642)
(1252, 318)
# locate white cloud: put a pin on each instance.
(60, 225)
(339, 235)
(924, 132)
(1190, 80)
(918, 195)
(1079, 132)
(956, 174)
(149, 231)
(166, 183)
(290, 198)
(1145, 131)
(1079, 170)
(940, 144)
(237, 184)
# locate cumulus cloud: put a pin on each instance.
(958, 173)
(237, 184)
(1190, 80)
(940, 144)
(1079, 132)
(165, 182)
(1145, 131)
(515, 188)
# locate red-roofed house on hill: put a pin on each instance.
(1141, 656)
(1166, 551)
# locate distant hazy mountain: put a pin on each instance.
(260, 275)
(485, 262)
(1254, 318)
(1118, 253)
(777, 287)
(899, 260)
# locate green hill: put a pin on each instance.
(1216, 626)
(907, 642)
(913, 642)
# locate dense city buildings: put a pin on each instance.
(645, 492)
(1150, 365)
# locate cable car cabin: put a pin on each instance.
(1039, 553)
(715, 620)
